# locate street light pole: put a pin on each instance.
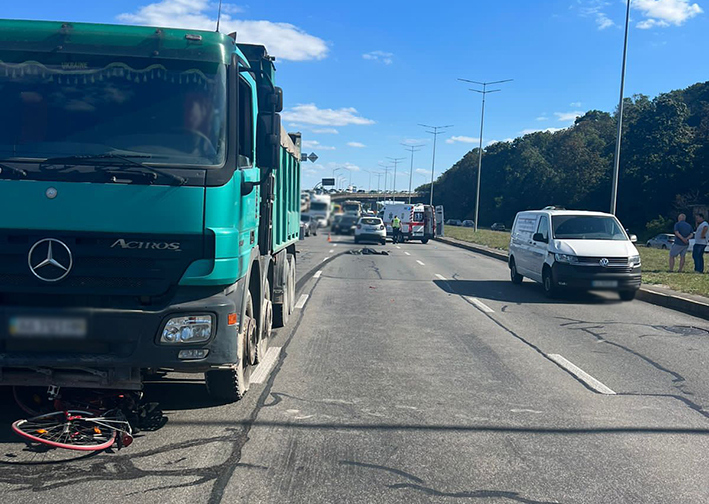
(396, 162)
(484, 92)
(435, 131)
(616, 160)
(411, 149)
(386, 174)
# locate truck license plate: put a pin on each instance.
(48, 326)
(605, 283)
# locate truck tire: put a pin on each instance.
(264, 336)
(291, 286)
(281, 312)
(233, 383)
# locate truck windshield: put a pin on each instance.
(318, 207)
(62, 105)
(585, 227)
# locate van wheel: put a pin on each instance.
(233, 383)
(264, 336)
(424, 240)
(514, 276)
(627, 295)
(664, 247)
(550, 288)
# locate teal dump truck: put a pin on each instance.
(150, 205)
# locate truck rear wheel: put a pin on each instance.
(233, 383)
(281, 311)
(264, 336)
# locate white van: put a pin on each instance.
(574, 249)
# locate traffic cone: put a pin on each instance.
(328, 238)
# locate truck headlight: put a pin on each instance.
(634, 261)
(190, 329)
(566, 258)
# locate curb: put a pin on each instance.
(671, 300)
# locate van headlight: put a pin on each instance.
(634, 261)
(190, 329)
(566, 258)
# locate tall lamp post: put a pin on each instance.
(616, 159)
(435, 131)
(396, 162)
(386, 174)
(411, 149)
(484, 92)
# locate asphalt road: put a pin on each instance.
(421, 376)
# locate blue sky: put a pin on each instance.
(359, 76)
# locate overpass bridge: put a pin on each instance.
(370, 197)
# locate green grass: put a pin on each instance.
(655, 262)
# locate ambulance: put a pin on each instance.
(418, 222)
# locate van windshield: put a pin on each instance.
(586, 227)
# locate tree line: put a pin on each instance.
(664, 168)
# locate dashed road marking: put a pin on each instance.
(317, 275)
(301, 301)
(334, 245)
(581, 375)
(398, 247)
(407, 253)
(422, 264)
(331, 251)
(264, 368)
(482, 306)
(325, 258)
(440, 276)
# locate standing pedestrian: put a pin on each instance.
(700, 243)
(683, 230)
(396, 229)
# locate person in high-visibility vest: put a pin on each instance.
(396, 229)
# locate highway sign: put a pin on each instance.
(313, 157)
(328, 181)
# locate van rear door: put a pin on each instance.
(520, 243)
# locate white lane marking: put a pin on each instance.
(317, 275)
(581, 374)
(334, 245)
(331, 251)
(482, 306)
(264, 368)
(407, 253)
(301, 301)
(440, 276)
(398, 247)
(325, 258)
(422, 264)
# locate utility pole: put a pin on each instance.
(616, 160)
(484, 92)
(435, 131)
(386, 174)
(396, 162)
(411, 149)
(369, 187)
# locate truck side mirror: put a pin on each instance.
(268, 136)
(277, 99)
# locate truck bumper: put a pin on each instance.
(588, 278)
(118, 343)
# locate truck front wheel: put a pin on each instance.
(232, 384)
(266, 324)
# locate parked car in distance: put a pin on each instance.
(370, 229)
(576, 250)
(453, 222)
(468, 223)
(661, 241)
(311, 225)
(345, 224)
(498, 226)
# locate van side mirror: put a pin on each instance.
(268, 136)
(539, 237)
(633, 239)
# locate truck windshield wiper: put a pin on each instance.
(12, 169)
(113, 159)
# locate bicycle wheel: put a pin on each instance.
(71, 430)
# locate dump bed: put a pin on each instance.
(286, 193)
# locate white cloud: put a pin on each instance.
(346, 166)
(546, 130)
(462, 139)
(356, 145)
(603, 21)
(314, 144)
(596, 9)
(309, 113)
(283, 40)
(421, 171)
(568, 116)
(415, 141)
(542, 118)
(381, 56)
(663, 13)
(575, 104)
(325, 131)
(506, 140)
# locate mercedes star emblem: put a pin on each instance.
(604, 262)
(50, 260)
